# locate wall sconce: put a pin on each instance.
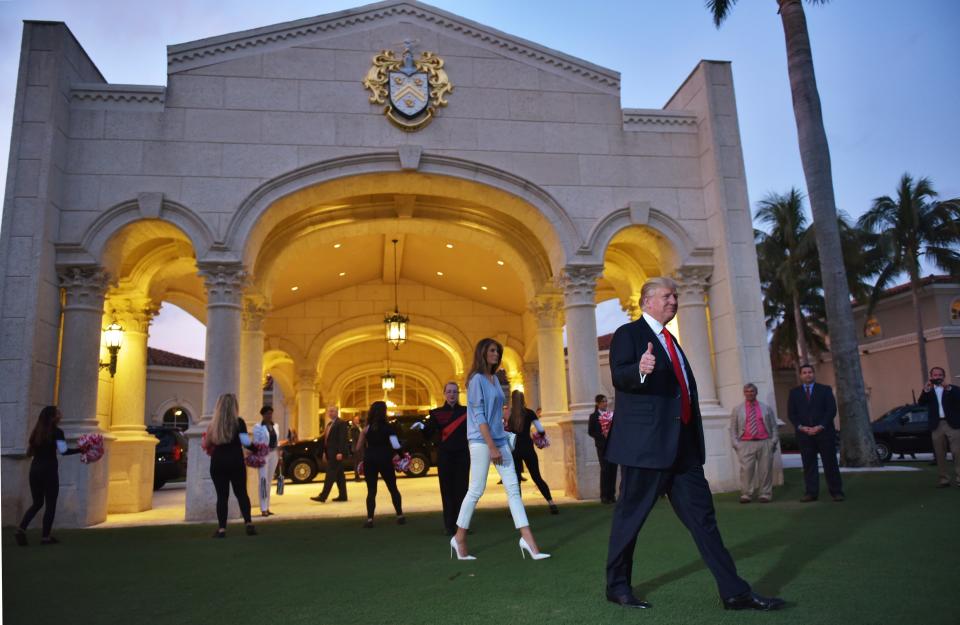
(113, 338)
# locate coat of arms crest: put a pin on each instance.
(412, 89)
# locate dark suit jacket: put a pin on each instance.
(336, 439)
(596, 432)
(820, 410)
(646, 422)
(951, 407)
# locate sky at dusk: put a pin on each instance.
(886, 70)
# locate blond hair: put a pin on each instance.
(652, 284)
(223, 425)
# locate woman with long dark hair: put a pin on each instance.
(520, 420)
(227, 436)
(46, 441)
(378, 442)
(487, 442)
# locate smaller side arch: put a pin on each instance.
(156, 415)
(683, 243)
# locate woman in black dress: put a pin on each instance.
(520, 420)
(378, 442)
(46, 441)
(227, 435)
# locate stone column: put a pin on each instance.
(251, 377)
(692, 283)
(308, 406)
(133, 451)
(83, 488)
(224, 285)
(580, 456)
(548, 309)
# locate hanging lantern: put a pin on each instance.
(396, 324)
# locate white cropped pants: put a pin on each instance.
(479, 468)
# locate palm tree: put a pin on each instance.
(858, 448)
(908, 227)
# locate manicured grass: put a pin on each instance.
(886, 556)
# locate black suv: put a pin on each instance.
(903, 430)
(170, 461)
(302, 461)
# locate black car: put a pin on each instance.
(903, 430)
(170, 460)
(302, 461)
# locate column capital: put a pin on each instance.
(548, 309)
(133, 311)
(224, 284)
(255, 308)
(692, 282)
(579, 283)
(306, 380)
(84, 286)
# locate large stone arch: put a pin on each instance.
(431, 174)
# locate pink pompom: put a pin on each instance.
(206, 445)
(91, 447)
(606, 420)
(402, 463)
(259, 456)
(540, 441)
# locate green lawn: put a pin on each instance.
(886, 556)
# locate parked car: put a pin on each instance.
(304, 460)
(170, 459)
(903, 430)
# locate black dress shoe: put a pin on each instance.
(752, 601)
(319, 498)
(340, 499)
(807, 499)
(628, 601)
(839, 498)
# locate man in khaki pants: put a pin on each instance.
(943, 407)
(753, 432)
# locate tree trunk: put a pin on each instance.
(802, 349)
(857, 447)
(918, 317)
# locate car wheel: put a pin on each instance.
(302, 471)
(419, 465)
(884, 453)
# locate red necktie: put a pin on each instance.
(684, 392)
(808, 392)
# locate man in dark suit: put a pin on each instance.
(811, 408)
(943, 410)
(657, 439)
(336, 447)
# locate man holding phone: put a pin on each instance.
(943, 409)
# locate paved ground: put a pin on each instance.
(419, 495)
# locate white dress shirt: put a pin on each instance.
(938, 391)
(657, 328)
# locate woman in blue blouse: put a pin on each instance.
(487, 442)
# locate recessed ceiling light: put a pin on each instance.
(439, 273)
(343, 273)
(336, 246)
(484, 288)
(294, 288)
(500, 262)
(449, 246)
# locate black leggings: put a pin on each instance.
(372, 467)
(226, 472)
(528, 456)
(44, 488)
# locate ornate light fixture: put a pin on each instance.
(113, 338)
(396, 324)
(388, 381)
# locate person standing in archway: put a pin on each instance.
(520, 420)
(265, 432)
(599, 433)
(453, 460)
(379, 443)
(226, 436)
(336, 446)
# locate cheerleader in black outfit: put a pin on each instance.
(227, 433)
(46, 441)
(379, 442)
(520, 420)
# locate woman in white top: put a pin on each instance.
(487, 442)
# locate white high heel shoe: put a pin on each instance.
(524, 547)
(455, 549)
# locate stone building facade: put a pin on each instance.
(261, 190)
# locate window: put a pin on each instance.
(955, 311)
(872, 328)
(918, 416)
(177, 417)
(410, 394)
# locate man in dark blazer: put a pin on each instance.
(657, 439)
(811, 408)
(337, 447)
(943, 420)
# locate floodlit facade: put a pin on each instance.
(261, 190)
